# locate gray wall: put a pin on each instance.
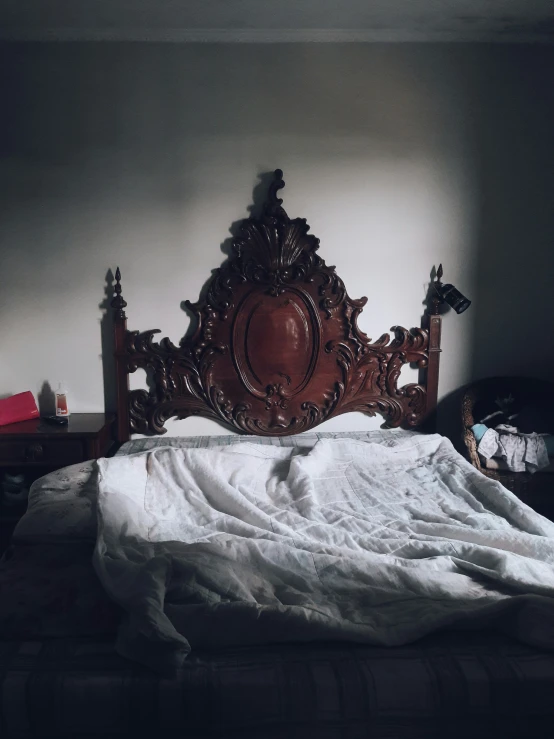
(399, 157)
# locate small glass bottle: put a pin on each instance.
(62, 409)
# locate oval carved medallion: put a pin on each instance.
(276, 341)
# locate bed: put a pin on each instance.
(276, 352)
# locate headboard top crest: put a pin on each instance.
(274, 242)
(276, 349)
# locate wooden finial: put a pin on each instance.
(436, 298)
(118, 303)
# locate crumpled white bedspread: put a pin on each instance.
(352, 541)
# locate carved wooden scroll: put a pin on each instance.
(277, 349)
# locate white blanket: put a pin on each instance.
(353, 541)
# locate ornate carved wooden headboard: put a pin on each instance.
(277, 349)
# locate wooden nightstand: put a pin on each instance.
(37, 447)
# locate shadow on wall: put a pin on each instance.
(46, 400)
(259, 197)
(515, 256)
(449, 418)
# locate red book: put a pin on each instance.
(20, 407)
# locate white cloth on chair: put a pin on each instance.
(521, 452)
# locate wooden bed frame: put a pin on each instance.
(277, 349)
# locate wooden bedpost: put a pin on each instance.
(122, 378)
(433, 324)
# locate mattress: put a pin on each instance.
(60, 677)
(303, 441)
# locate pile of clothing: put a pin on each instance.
(512, 435)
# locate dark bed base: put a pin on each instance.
(451, 686)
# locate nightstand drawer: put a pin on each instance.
(36, 447)
(41, 452)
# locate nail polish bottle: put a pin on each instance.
(62, 409)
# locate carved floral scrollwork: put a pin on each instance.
(371, 372)
(347, 372)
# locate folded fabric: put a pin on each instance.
(521, 452)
